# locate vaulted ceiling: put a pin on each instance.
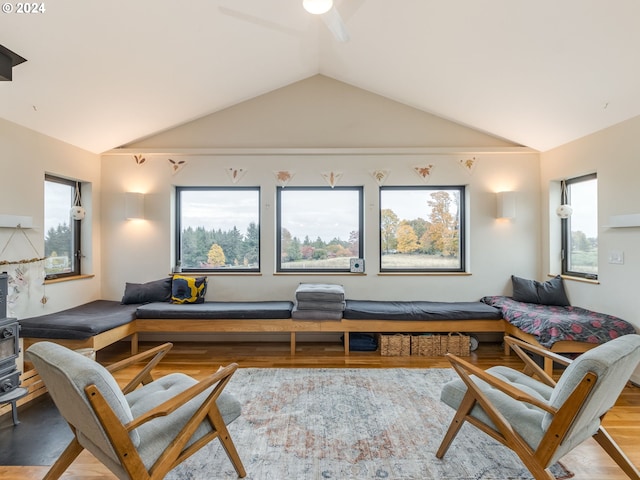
(100, 74)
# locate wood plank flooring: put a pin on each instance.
(588, 461)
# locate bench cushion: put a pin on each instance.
(216, 310)
(419, 310)
(79, 323)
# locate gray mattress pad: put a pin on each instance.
(79, 322)
(216, 310)
(418, 310)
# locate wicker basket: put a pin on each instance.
(426, 345)
(455, 343)
(397, 345)
(435, 345)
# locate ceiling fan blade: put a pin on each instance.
(334, 23)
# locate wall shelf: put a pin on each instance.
(16, 221)
(624, 221)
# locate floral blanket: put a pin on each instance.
(551, 323)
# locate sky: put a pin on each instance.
(584, 200)
(58, 198)
(220, 209)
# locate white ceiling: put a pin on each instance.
(104, 73)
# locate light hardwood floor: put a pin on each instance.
(588, 461)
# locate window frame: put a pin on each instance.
(462, 240)
(75, 225)
(565, 229)
(178, 231)
(358, 189)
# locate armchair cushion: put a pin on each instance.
(71, 369)
(157, 434)
(526, 419)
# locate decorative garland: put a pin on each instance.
(17, 262)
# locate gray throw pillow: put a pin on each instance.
(155, 291)
(550, 292)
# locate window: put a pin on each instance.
(62, 233)
(218, 229)
(319, 229)
(580, 229)
(422, 229)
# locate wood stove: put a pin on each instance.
(10, 390)
(9, 351)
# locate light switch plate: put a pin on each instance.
(616, 257)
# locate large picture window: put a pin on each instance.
(319, 229)
(422, 229)
(218, 229)
(580, 229)
(62, 233)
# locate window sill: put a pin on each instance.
(577, 279)
(67, 279)
(427, 274)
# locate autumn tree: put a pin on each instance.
(216, 256)
(407, 239)
(443, 231)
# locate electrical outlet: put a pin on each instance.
(616, 257)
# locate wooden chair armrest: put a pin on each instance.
(144, 376)
(222, 376)
(515, 393)
(512, 341)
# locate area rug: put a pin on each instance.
(350, 424)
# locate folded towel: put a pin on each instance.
(320, 292)
(324, 306)
(315, 314)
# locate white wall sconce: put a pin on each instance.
(133, 206)
(506, 205)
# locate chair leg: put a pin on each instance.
(463, 410)
(618, 456)
(64, 460)
(232, 453)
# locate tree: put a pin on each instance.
(407, 239)
(216, 256)
(58, 240)
(388, 225)
(354, 243)
(251, 244)
(443, 231)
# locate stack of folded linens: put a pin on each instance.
(318, 301)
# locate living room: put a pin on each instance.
(310, 122)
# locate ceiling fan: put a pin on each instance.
(330, 16)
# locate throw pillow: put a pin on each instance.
(154, 291)
(188, 289)
(550, 292)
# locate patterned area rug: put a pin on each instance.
(350, 424)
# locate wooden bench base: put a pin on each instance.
(564, 346)
(288, 325)
(294, 326)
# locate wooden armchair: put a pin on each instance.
(147, 428)
(539, 419)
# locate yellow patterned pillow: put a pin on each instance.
(188, 289)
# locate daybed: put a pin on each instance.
(559, 328)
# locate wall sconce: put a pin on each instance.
(506, 204)
(133, 206)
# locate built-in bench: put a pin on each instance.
(92, 325)
(101, 323)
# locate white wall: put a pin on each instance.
(25, 157)
(613, 153)
(314, 116)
